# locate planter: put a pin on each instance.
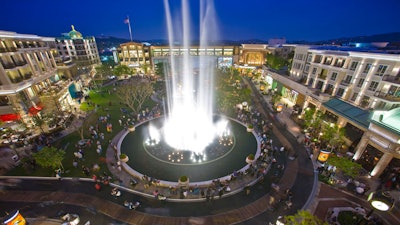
(250, 128)
(250, 159)
(123, 158)
(183, 182)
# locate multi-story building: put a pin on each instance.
(135, 55)
(28, 75)
(81, 50)
(370, 80)
(143, 56)
(346, 84)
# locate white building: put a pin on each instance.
(82, 50)
(346, 84)
(29, 80)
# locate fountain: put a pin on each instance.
(189, 121)
(189, 140)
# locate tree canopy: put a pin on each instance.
(49, 157)
(303, 217)
(345, 165)
(122, 70)
(103, 71)
(134, 93)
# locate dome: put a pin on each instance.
(74, 34)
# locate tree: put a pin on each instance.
(345, 165)
(122, 70)
(39, 121)
(160, 70)
(332, 135)
(303, 217)
(49, 157)
(103, 71)
(134, 93)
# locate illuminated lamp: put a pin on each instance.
(14, 218)
(279, 107)
(381, 200)
(323, 156)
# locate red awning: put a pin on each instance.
(9, 117)
(35, 109)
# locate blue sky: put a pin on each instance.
(236, 19)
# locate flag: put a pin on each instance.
(126, 21)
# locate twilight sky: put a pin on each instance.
(236, 19)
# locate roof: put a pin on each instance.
(388, 119)
(349, 111)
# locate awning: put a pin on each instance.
(10, 117)
(35, 109)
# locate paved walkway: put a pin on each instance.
(298, 175)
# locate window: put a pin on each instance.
(360, 82)
(307, 68)
(348, 79)
(334, 75)
(309, 57)
(381, 70)
(354, 97)
(314, 70)
(373, 86)
(340, 92)
(367, 68)
(353, 65)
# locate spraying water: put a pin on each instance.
(189, 121)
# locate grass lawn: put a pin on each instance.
(107, 103)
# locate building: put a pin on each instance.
(143, 57)
(81, 50)
(135, 55)
(29, 81)
(353, 88)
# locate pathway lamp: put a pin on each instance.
(379, 200)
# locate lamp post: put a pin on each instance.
(379, 200)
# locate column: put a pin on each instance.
(382, 164)
(361, 147)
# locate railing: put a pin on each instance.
(21, 63)
(344, 83)
(387, 96)
(392, 79)
(8, 65)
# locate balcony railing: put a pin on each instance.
(8, 65)
(21, 63)
(344, 83)
(387, 96)
(392, 79)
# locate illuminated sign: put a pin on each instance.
(323, 156)
(14, 218)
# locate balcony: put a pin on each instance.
(391, 79)
(8, 66)
(345, 83)
(387, 96)
(21, 63)
(27, 76)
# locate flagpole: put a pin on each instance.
(130, 30)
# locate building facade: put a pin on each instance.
(81, 50)
(370, 80)
(29, 79)
(350, 87)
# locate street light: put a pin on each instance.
(379, 200)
